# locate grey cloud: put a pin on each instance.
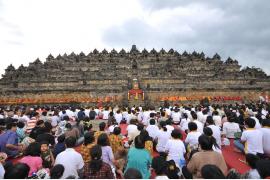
(242, 31)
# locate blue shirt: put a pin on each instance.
(9, 137)
(59, 147)
(139, 159)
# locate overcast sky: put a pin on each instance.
(35, 28)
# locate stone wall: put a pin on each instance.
(109, 74)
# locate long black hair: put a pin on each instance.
(96, 161)
(209, 133)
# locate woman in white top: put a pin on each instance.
(184, 122)
(163, 137)
(230, 127)
(176, 148)
(118, 116)
(199, 124)
(208, 132)
(217, 119)
(176, 116)
(192, 138)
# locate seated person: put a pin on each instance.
(9, 141)
(266, 136)
(192, 139)
(230, 127)
(204, 157)
(252, 159)
(252, 138)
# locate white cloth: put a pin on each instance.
(55, 121)
(153, 131)
(111, 128)
(258, 125)
(118, 117)
(253, 174)
(2, 171)
(132, 131)
(71, 160)
(216, 134)
(184, 124)
(193, 138)
(105, 114)
(176, 150)
(253, 139)
(200, 116)
(266, 139)
(161, 177)
(128, 118)
(169, 128)
(131, 128)
(176, 117)
(162, 139)
(229, 128)
(145, 117)
(199, 126)
(217, 120)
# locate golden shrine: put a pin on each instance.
(135, 92)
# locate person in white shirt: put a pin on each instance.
(199, 124)
(204, 117)
(169, 126)
(71, 160)
(266, 136)
(145, 117)
(176, 116)
(176, 148)
(230, 127)
(118, 116)
(124, 113)
(253, 139)
(132, 130)
(128, 116)
(106, 113)
(209, 132)
(24, 118)
(168, 112)
(258, 125)
(217, 119)
(199, 115)
(87, 111)
(55, 119)
(216, 130)
(152, 129)
(184, 122)
(97, 111)
(192, 138)
(163, 137)
(111, 127)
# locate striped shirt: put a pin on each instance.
(30, 124)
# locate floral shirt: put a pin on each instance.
(85, 152)
(116, 142)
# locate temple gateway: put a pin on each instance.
(132, 77)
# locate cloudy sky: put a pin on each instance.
(35, 28)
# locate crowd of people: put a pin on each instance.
(170, 142)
